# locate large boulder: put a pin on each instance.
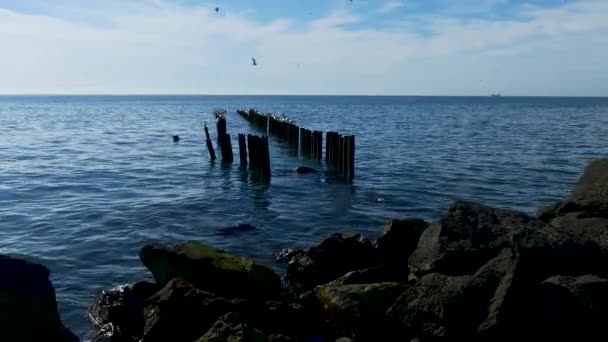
(181, 312)
(359, 309)
(234, 328)
(399, 241)
(119, 311)
(439, 306)
(211, 269)
(591, 192)
(329, 260)
(466, 238)
(28, 308)
(378, 274)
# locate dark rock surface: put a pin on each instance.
(28, 308)
(181, 312)
(232, 327)
(332, 258)
(210, 269)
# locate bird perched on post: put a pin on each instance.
(254, 62)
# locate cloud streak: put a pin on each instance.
(168, 48)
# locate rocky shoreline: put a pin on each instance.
(477, 274)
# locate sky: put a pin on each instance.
(325, 47)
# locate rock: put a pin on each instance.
(400, 241)
(236, 229)
(548, 213)
(28, 308)
(458, 307)
(303, 170)
(344, 339)
(332, 258)
(122, 307)
(109, 333)
(468, 237)
(285, 255)
(378, 274)
(181, 312)
(232, 327)
(591, 192)
(278, 338)
(211, 269)
(589, 290)
(358, 309)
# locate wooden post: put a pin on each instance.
(327, 135)
(251, 147)
(221, 130)
(351, 159)
(320, 146)
(226, 147)
(243, 150)
(209, 144)
(265, 165)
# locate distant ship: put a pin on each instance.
(495, 95)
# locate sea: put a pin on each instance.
(86, 181)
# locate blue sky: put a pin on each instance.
(372, 47)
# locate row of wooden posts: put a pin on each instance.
(253, 151)
(339, 150)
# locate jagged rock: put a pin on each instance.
(28, 308)
(110, 333)
(211, 269)
(279, 338)
(285, 255)
(122, 307)
(400, 240)
(232, 327)
(332, 258)
(464, 307)
(358, 309)
(468, 237)
(181, 312)
(378, 274)
(591, 192)
(548, 213)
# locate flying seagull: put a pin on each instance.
(217, 9)
(253, 61)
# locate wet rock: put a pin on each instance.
(285, 255)
(236, 229)
(181, 312)
(399, 242)
(28, 308)
(110, 333)
(548, 213)
(303, 170)
(358, 309)
(329, 260)
(591, 192)
(589, 290)
(211, 269)
(232, 327)
(121, 306)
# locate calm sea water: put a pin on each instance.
(86, 181)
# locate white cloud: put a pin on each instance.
(164, 48)
(391, 6)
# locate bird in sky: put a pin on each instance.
(254, 62)
(217, 9)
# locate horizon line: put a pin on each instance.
(294, 95)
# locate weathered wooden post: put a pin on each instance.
(243, 150)
(320, 146)
(226, 146)
(209, 143)
(351, 159)
(265, 165)
(251, 147)
(221, 130)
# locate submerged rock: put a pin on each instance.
(180, 312)
(211, 269)
(28, 308)
(332, 258)
(303, 170)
